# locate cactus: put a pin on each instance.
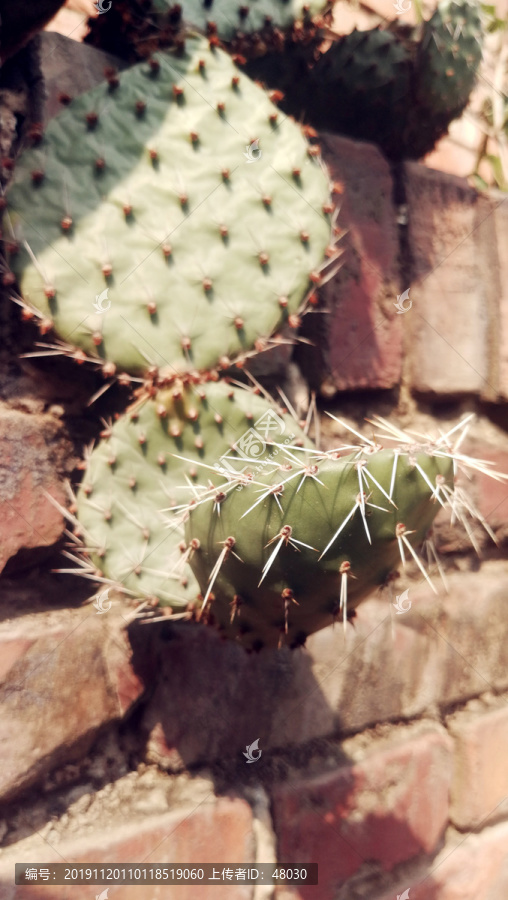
(399, 91)
(360, 87)
(399, 87)
(136, 29)
(323, 537)
(157, 456)
(210, 502)
(147, 231)
(206, 500)
(231, 18)
(313, 536)
(449, 56)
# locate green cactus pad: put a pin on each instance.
(398, 90)
(450, 56)
(353, 84)
(149, 188)
(277, 585)
(133, 478)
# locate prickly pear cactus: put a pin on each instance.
(163, 453)
(449, 56)
(401, 92)
(229, 18)
(171, 218)
(312, 537)
(353, 85)
(137, 28)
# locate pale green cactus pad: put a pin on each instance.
(135, 477)
(152, 231)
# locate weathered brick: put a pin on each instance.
(501, 226)
(444, 650)
(218, 831)
(68, 673)
(480, 781)
(453, 251)
(384, 809)
(364, 330)
(491, 495)
(27, 473)
(471, 867)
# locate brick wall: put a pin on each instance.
(384, 751)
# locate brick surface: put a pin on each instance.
(501, 226)
(364, 330)
(389, 807)
(218, 831)
(480, 782)
(470, 867)
(490, 495)
(64, 676)
(454, 293)
(28, 445)
(444, 650)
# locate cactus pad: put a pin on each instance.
(308, 544)
(230, 18)
(397, 90)
(133, 479)
(136, 28)
(353, 84)
(146, 192)
(450, 55)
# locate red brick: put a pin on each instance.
(480, 780)
(491, 495)
(501, 225)
(13, 647)
(452, 244)
(125, 683)
(470, 867)
(59, 689)
(390, 806)
(446, 649)
(364, 330)
(27, 473)
(217, 831)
